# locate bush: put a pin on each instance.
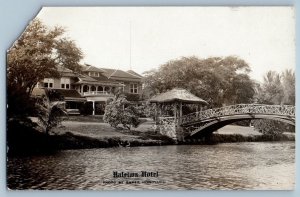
(272, 127)
(49, 112)
(119, 111)
(132, 97)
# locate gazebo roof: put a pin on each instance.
(177, 94)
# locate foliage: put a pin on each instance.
(270, 127)
(119, 111)
(217, 80)
(132, 97)
(68, 54)
(148, 110)
(33, 57)
(276, 89)
(50, 113)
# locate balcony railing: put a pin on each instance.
(96, 93)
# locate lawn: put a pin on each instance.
(103, 130)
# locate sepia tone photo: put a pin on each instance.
(152, 98)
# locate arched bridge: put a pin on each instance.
(207, 121)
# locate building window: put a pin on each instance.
(123, 86)
(48, 83)
(106, 89)
(85, 88)
(134, 88)
(100, 89)
(65, 83)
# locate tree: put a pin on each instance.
(33, 57)
(276, 89)
(217, 80)
(119, 111)
(68, 55)
(50, 110)
(271, 90)
(288, 83)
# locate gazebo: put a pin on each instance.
(169, 110)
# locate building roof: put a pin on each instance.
(90, 68)
(65, 72)
(102, 77)
(63, 69)
(68, 93)
(177, 94)
(134, 73)
(86, 78)
(103, 83)
(120, 75)
(110, 75)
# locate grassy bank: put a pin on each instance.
(24, 139)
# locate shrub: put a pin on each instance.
(119, 111)
(271, 127)
(49, 113)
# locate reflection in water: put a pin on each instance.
(222, 166)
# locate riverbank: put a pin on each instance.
(87, 135)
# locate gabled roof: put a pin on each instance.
(90, 68)
(63, 69)
(102, 77)
(108, 74)
(134, 73)
(120, 75)
(177, 94)
(65, 72)
(86, 78)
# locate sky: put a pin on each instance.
(143, 38)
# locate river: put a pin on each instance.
(250, 165)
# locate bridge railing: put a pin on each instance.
(284, 110)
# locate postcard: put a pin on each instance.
(153, 98)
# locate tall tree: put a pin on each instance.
(68, 55)
(276, 89)
(288, 83)
(217, 80)
(33, 57)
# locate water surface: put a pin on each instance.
(223, 166)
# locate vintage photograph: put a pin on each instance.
(153, 98)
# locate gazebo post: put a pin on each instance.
(159, 109)
(180, 112)
(156, 112)
(175, 111)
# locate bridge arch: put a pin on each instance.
(208, 121)
(215, 124)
